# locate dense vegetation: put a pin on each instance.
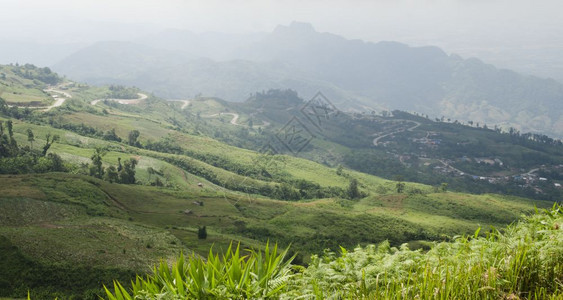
(522, 261)
(20, 160)
(44, 75)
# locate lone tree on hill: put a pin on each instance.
(30, 137)
(444, 187)
(400, 186)
(49, 141)
(151, 172)
(202, 233)
(127, 174)
(97, 170)
(353, 192)
(132, 138)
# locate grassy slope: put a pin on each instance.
(521, 261)
(407, 208)
(334, 142)
(15, 89)
(129, 226)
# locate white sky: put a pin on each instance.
(406, 20)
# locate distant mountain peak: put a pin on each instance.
(301, 26)
(296, 27)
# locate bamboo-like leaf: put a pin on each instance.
(477, 232)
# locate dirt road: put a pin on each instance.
(376, 140)
(58, 101)
(235, 119)
(123, 101)
(186, 102)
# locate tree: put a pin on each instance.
(97, 170)
(110, 135)
(49, 141)
(444, 187)
(111, 174)
(157, 182)
(57, 163)
(30, 137)
(151, 171)
(4, 142)
(8, 145)
(353, 192)
(400, 186)
(202, 233)
(132, 138)
(10, 126)
(127, 174)
(339, 170)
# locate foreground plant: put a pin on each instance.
(256, 275)
(525, 261)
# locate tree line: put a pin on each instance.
(16, 159)
(123, 173)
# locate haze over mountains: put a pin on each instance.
(354, 74)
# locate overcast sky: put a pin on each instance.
(407, 20)
(526, 35)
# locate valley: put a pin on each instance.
(227, 168)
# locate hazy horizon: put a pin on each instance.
(524, 35)
(406, 20)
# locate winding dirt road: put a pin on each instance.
(52, 90)
(122, 101)
(58, 101)
(376, 140)
(235, 119)
(186, 103)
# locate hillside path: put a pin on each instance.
(376, 140)
(186, 102)
(235, 119)
(122, 101)
(58, 101)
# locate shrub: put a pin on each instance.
(234, 275)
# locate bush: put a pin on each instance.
(258, 275)
(202, 233)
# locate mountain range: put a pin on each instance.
(353, 74)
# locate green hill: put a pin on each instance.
(25, 85)
(64, 225)
(469, 157)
